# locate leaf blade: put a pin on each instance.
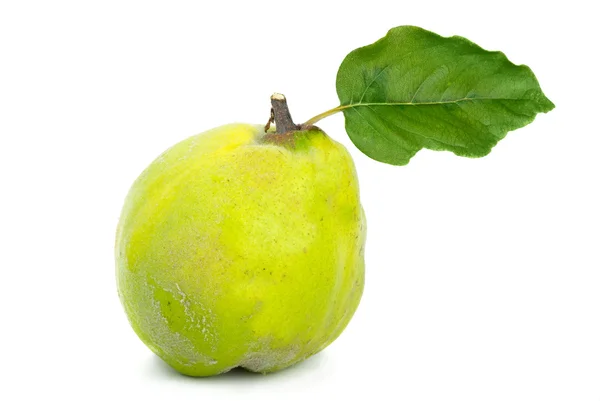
(414, 89)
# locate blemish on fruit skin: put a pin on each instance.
(163, 340)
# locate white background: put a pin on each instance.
(483, 275)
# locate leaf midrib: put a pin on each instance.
(442, 102)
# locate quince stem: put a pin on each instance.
(280, 115)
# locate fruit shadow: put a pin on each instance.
(159, 370)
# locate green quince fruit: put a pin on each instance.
(238, 247)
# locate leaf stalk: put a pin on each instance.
(327, 113)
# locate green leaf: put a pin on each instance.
(414, 89)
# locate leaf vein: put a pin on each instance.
(373, 81)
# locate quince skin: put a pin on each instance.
(238, 247)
